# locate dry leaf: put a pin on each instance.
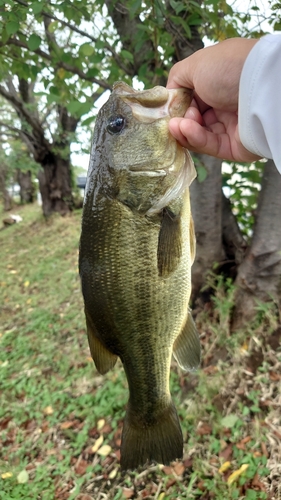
(112, 474)
(167, 470)
(224, 467)
(264, 449)
(104, 450)
(81, 466)
(204, 429)
(161, 496)
(67, 424)
(97, 444)
(179, 468)
(48, 410)
(237, 473)
(6, 475)
(100, 424)
(128, 492)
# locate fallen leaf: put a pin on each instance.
(229, 421)
(128, 492)
(237, 473)
(48, 410)
(226, 453)
(204, 429)
(112, 474)
(26, 283)
(104, 450)
(161, 496)
(224, 467)
(22, 477)
(246, 439)
(244, 348)
(264, 449)
(97, 444)
(257, 483)
(67, 424)
(6, 475)
(100, 424)
(81, 466)
(167, 470)
(179, 468)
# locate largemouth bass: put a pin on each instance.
(136, 251)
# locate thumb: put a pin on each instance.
(181, 75)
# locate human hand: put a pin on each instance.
(210, 124)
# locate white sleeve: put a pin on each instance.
(259, 113)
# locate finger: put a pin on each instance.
(193, 136)
(180, 76)
(193, 113)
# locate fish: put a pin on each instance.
(137, 247)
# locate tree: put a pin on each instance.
(45, 83)
(58, 59)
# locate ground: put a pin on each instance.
(60, 421)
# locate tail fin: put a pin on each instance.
(155, 441)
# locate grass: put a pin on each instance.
(60, 421)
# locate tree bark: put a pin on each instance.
(259, 275)
(27, 191)
(55, 185)
(206, 206)
(233, 242)
(55, 181)
(6, 198)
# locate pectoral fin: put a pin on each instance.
(103, 358)
(187, 349)
(169, 243)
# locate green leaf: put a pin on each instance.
(34, 42)
(22, 477)
(37, 7)
(73, 106)
(201, 172)
(127, 55)
(12, 27)
(53, 26)
(87, 49)
(229, 421)
(88, 120)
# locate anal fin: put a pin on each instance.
(187, 349)
(103, 358)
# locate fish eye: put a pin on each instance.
(115, 124)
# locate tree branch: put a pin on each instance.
(107, 46)
(72, 69)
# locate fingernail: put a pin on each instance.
(190, 113)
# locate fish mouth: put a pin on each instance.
(158, 102)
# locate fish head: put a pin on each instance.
(139, 160)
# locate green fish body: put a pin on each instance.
(136, 250)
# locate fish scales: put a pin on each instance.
(136, 294)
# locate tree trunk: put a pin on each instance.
(206, 205)
(55, 185)
(259, 275)
(6, 197)
(27, 191)
(233, 242)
